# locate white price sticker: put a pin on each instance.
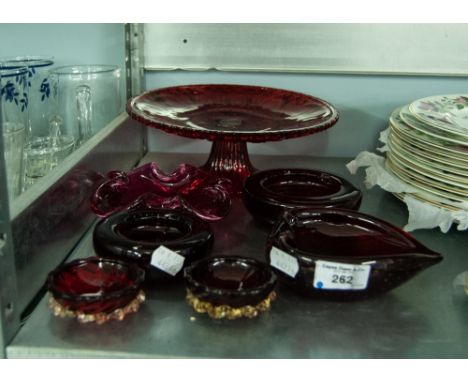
(166, 260)
(330, 275)
(284, 262)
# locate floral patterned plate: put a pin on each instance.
(426, 191)
(433, 152)
(418, 180)
(428, 178)
(446, 112)
(423, 158)
(428, 171)
(426, 132)
(428, 137)
(432, 131)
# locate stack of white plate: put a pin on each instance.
(428, 149)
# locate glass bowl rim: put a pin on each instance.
(33, 61)
(84, 69)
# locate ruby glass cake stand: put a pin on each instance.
(230, 116)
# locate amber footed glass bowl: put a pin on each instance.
(335, 253)
(230, 287)
(267, 194)
(95, 290)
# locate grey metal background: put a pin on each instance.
(134, 59)
(427, 49)
(423, 318)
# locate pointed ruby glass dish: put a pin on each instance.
(95, 289)
(344, 254)
(230, 116)
(267, 194)
(148, 187)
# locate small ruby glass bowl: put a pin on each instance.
(267, 194)
(94, 289)
(230, 287)
(335, 253)
(134, 236)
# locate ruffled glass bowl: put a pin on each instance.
(147, 186)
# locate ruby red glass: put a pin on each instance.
(134, 236)
(267, 194)
(348, 237)
(232, 281)
(230, 116)
(95, 285)
(148, 187)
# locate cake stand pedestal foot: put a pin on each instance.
(230, 160)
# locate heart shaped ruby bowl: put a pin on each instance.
(335, 253)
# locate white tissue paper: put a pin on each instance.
(420, 215)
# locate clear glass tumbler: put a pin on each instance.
(85, 99)
(43, 154)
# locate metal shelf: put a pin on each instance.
(48, 220)
(421, 319)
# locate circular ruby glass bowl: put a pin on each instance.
(269, 193)
(335, 253)
(134, 236)
(234, 282)
(93, 285)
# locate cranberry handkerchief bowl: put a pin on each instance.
(147, 186)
